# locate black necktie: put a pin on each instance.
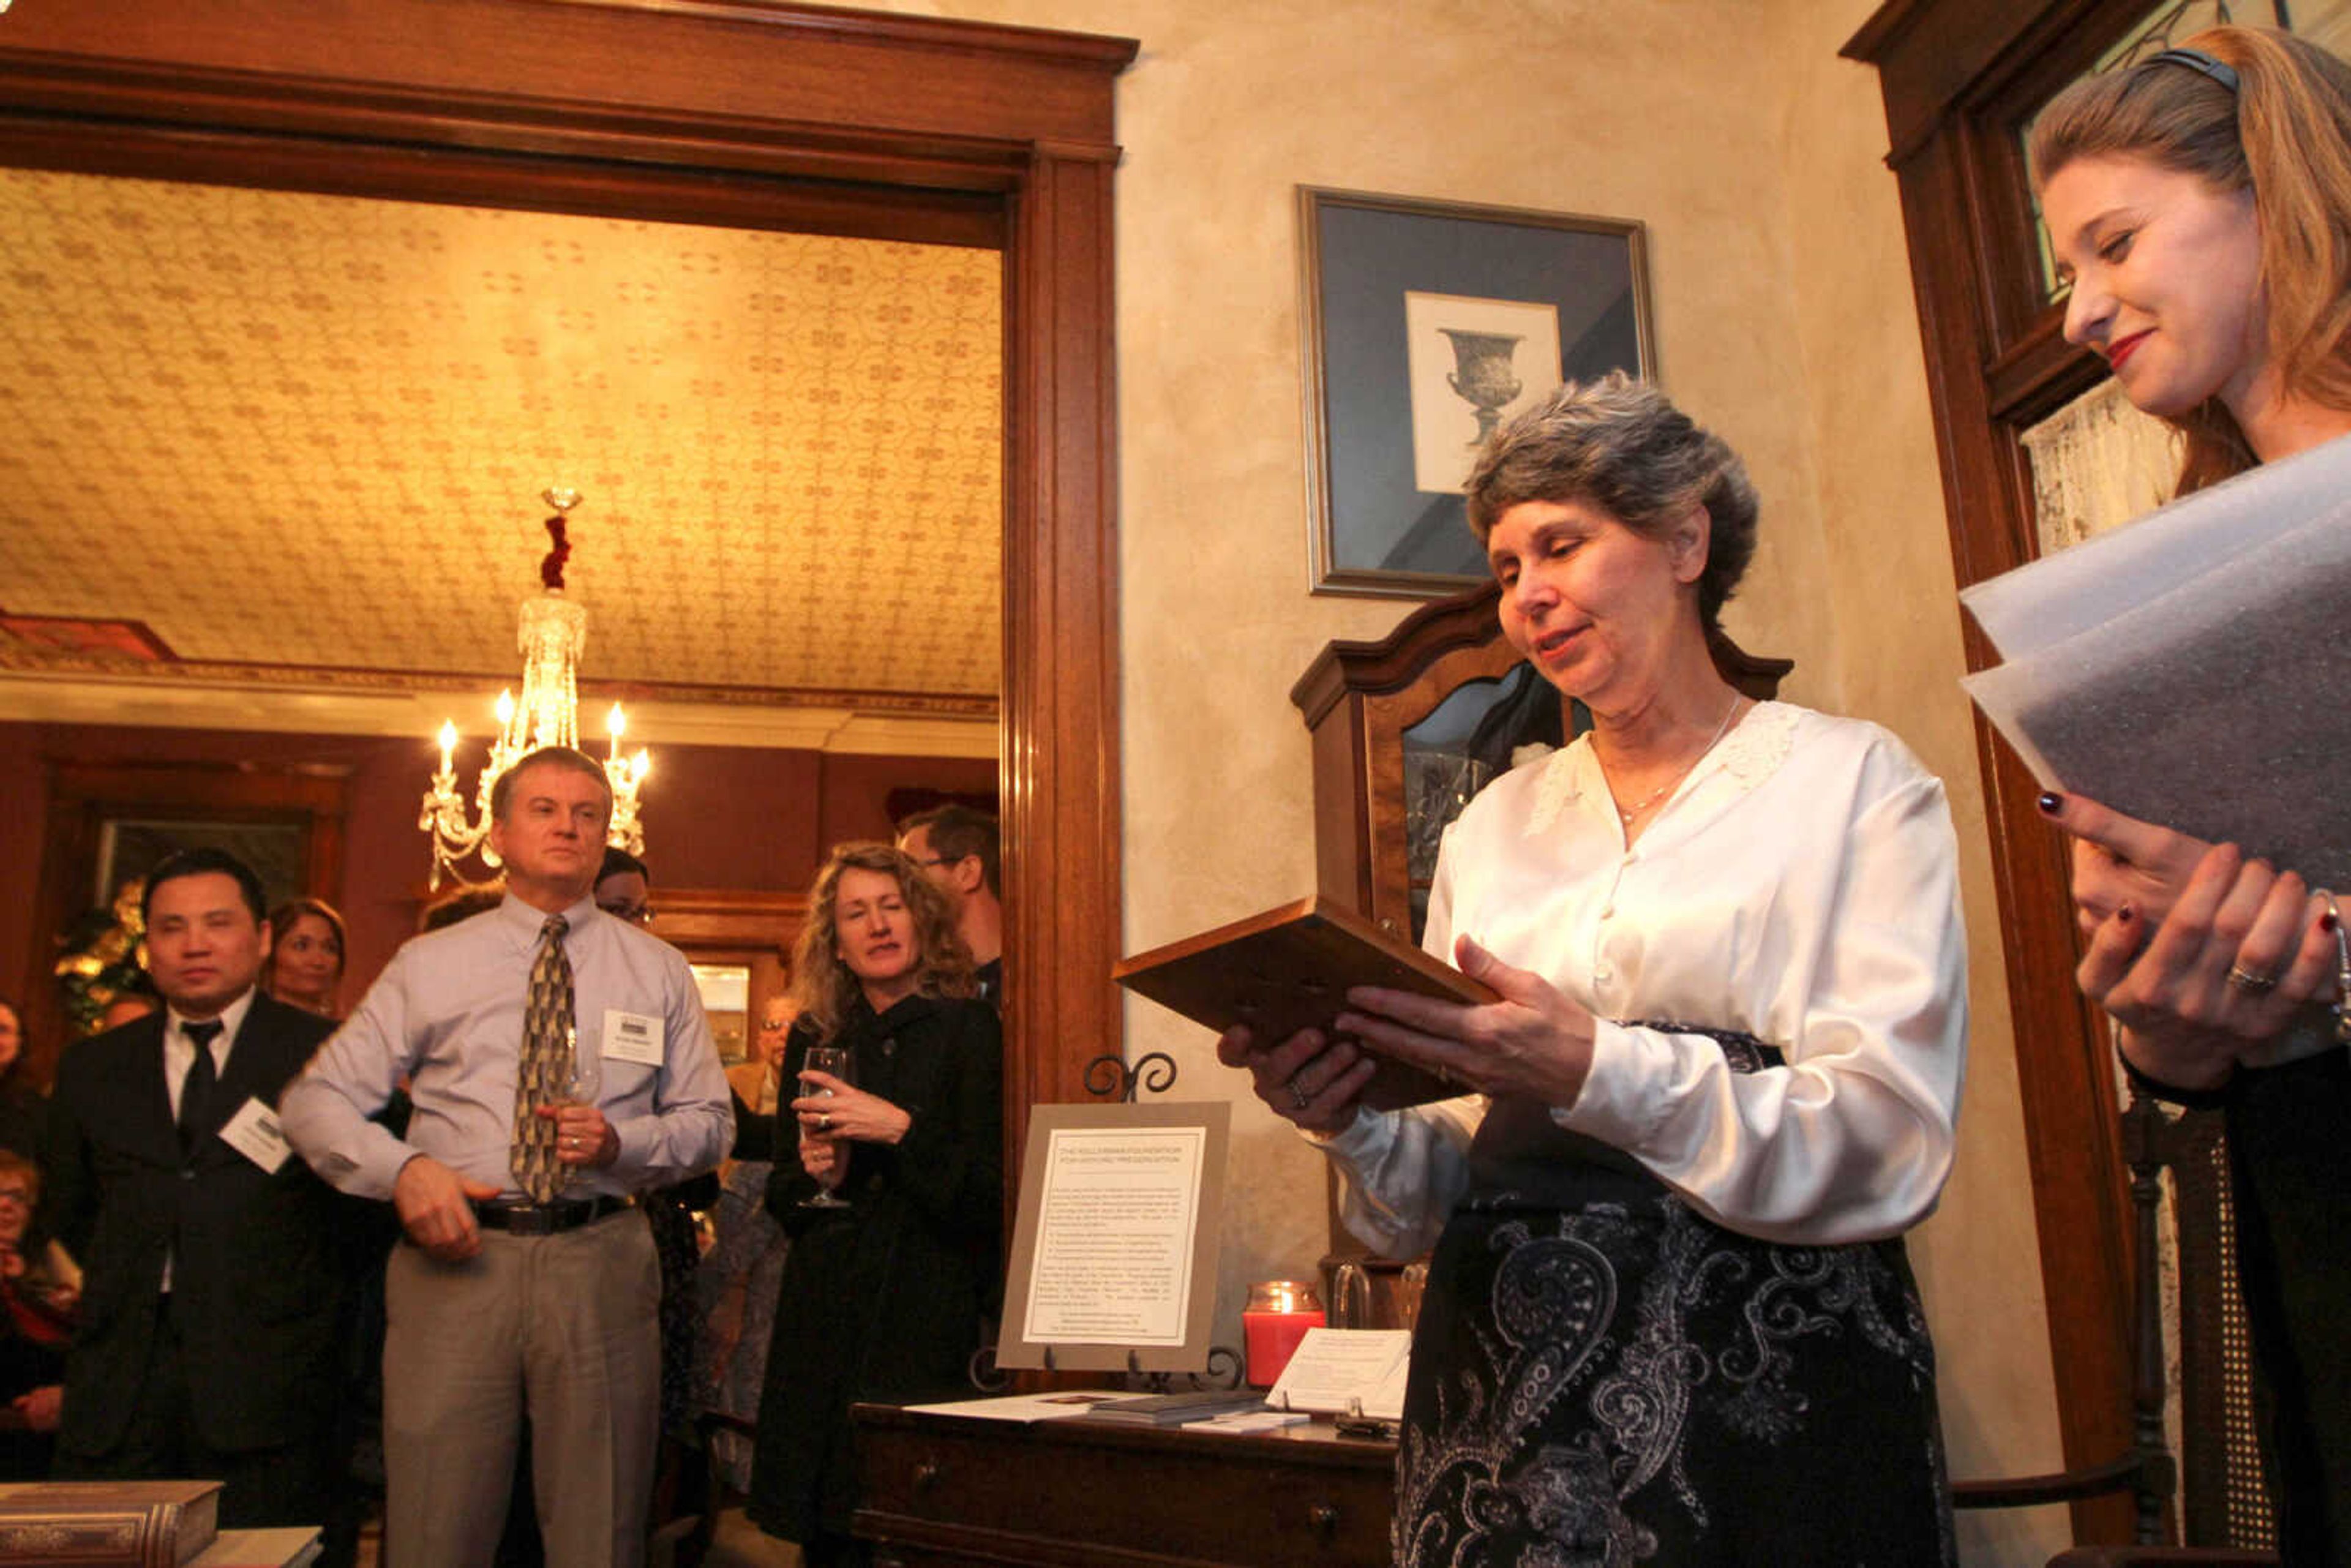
(197, 1089)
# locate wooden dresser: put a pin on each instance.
(943, 1491)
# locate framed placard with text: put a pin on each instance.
(1114, 1260)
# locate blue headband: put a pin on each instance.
(2200, 62)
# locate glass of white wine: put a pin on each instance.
(580, 1087)
(842, 1063)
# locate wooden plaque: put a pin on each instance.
(1288, 969)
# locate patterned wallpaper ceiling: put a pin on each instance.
(308, 433)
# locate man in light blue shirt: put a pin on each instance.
(558, 1062)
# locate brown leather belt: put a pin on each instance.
(520, 1217)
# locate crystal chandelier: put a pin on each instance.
(554, 630)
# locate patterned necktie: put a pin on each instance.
(544, 1077)
(196, 1087)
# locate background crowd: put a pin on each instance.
(191, 1287)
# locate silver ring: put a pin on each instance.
(824, 1121)
(1299, 1097)
(2252, 985)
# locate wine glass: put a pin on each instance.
(582, 1084)
(841, 1063)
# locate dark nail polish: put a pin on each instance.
(2053, 804)
(2126, 915)
(2326, 921)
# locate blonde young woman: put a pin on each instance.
(2200, 204)
(882, 1297)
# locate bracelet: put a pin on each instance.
(2155, 1088)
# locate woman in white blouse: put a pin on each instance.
(1668, 1318)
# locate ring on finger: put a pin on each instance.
(824, 1121)
(1298, 1095)
(2247, 981)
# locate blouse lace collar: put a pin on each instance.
(1749, 754)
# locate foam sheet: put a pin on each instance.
(2194, 669)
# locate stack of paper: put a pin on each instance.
(2191, 669)
(1174, 1410)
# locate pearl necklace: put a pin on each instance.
(1659, 793)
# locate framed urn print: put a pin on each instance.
(1429, 324)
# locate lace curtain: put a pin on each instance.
(2097, 463)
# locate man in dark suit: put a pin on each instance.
(211, 1276)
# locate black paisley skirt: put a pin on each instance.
(1621, 1382)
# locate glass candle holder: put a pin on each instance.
(1276, 1317)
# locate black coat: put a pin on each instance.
(881, 1302)
(24, 1118)
(259, 1271)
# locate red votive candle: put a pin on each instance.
(1277, 1317)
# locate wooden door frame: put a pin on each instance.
(1959, 77)
(748, 113)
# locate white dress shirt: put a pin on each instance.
(447, 1013)
(1800, 886)
(180, 1051)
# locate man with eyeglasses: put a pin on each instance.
(622, 886)
(960, 851)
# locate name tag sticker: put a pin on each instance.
(254, 1133)
(632, 1036)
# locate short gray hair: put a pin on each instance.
(502, 792)
(1619, 444)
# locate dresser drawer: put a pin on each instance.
(1056, 1492)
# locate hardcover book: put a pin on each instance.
(107, 1525)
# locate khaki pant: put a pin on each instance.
(564, 1326)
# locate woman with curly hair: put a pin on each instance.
(882, 1297)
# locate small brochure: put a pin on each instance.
(1346, 1372)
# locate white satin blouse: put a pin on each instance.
(1799, 886)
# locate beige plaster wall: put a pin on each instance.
(1898, 656)
(1783, 318)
